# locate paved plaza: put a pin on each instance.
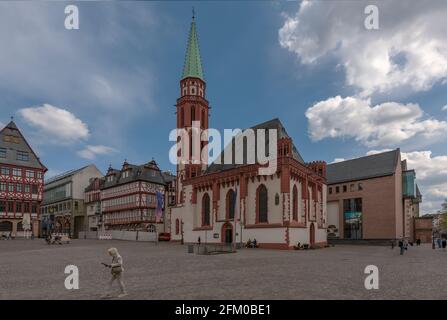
(34, 270)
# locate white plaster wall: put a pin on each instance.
(274, 211)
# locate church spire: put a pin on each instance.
(193, 64)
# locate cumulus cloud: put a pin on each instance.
(55, 124)
(91, 151)
(385, 124)
(408, 51)
(444, 108)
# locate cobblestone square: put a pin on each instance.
(34, 270)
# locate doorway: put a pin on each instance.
(227, 233)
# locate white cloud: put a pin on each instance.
(431, 176)
(91, 151)
(408, 51)
(55, 124)
(444, 108)
(338, 160)
(386, 124)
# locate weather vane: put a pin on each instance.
(193, 13)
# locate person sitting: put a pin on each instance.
(254, 243)
(248, 244)
(298, 246)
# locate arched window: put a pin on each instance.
(262, 207)
(202, 120)
(151, 228)
(295, 203)
(230, 204)
(182, 117)
(193, 114)
(206, 210)
(177, 226)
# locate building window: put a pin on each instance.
(345, 188)
(125, 174)
(360, 186)
(295, 203)
(18, 207)
(193, 114)
(19, 187)
(27, 188)
(29, 174)
(262, 203)
(5, 171)
(352, 218)
(22, 155)
(2, 206)
(34, 189)
(177, 226)
(11, 187)
(231, 204)
(2, 186)
(33, 208)
(330, 190)
(2, 152)
(17, 172)
(337, 189)
(206, 210)
(39, 175)
(10, 206)
(351, 187)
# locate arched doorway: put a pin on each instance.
(227, 233)
(312, 235)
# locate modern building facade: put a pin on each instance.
(21, 183)
(372, 197)
(131, 196)
(63, 207)
(232, 203)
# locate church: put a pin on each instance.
(233, 202)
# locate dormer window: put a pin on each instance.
(110, 178)
(125, 174)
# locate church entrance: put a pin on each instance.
(227, 233)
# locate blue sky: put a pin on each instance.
(106, 92)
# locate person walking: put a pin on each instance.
(117, 273)
(439, 243)
(401, 246)
(444, 244)
(392, 244)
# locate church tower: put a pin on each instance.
(192, 107)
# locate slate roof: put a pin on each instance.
(268, 125)
(92, 185)
(64, 175)
(12, 140)
(146, 172)
(373, 166)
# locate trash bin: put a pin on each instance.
(190, 248)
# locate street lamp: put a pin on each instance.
(182, 233)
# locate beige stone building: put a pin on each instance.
(373, 197)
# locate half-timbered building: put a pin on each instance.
(21, 183)
(129, 198)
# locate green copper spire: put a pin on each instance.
(193, 64)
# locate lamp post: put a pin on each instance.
(182, 241)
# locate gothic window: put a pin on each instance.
(206, 210)
(177, 226)
(193, 114)
(231, 203)
(262, 203)
(182, 117)
(295, 203)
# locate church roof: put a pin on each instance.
(12, 141)
(268, 125)
(193, 65)
(373, 166)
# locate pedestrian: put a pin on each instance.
(418, 242)
(198, 240)
(444, 244)
(117, 269)
(392, 244)
(401, 246)
(439, 243)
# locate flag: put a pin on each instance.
(159, 209)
